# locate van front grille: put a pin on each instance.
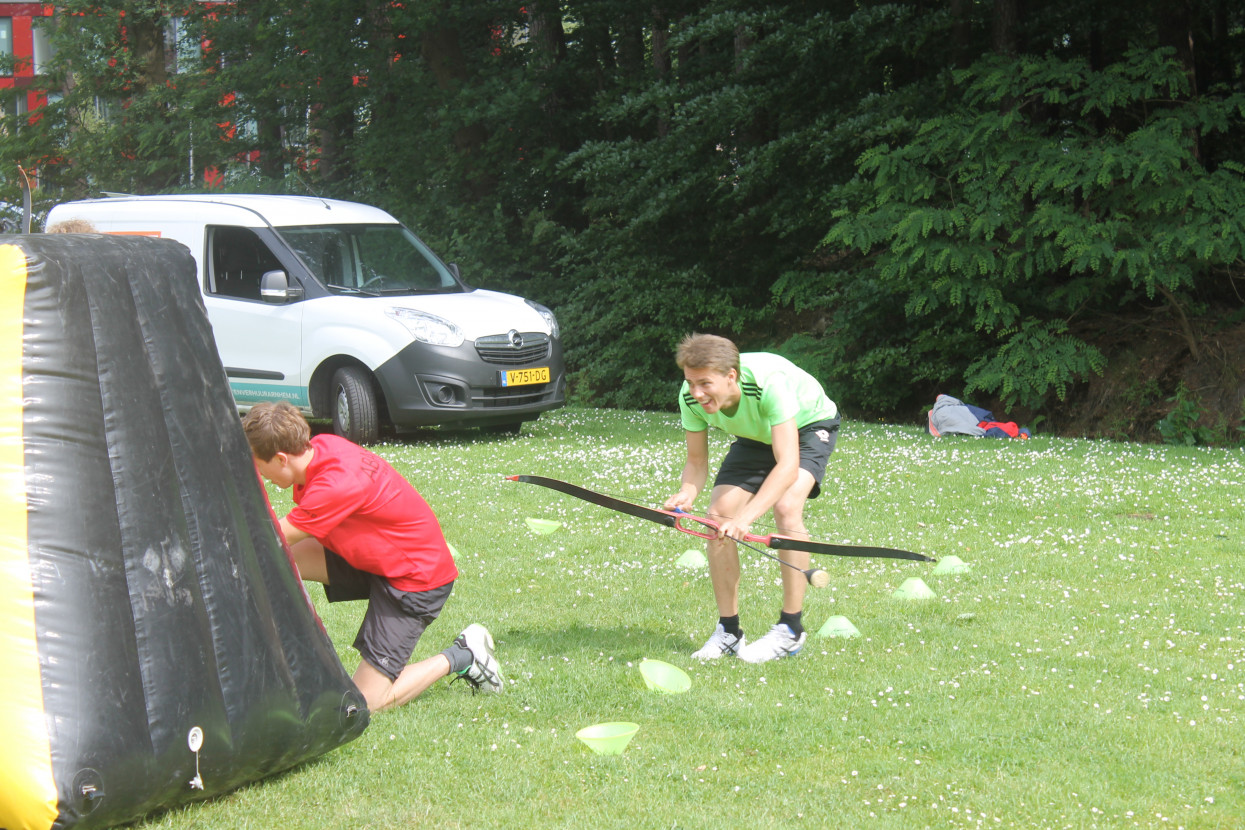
(500, 349)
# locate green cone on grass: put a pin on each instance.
(838, 626)
(913, 588)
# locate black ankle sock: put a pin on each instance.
(731, 624)
(792, 621)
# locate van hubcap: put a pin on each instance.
(343, 409)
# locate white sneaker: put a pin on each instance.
(779, 642)
(484, 671)
(719, 644)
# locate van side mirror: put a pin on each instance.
(274, 287)
(453, 266)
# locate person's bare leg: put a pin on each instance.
(382, 693)
(794, 583)
(789, 521)
(378, 690)
(723, 553)
(309, 558)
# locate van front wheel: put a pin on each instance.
(355, 415)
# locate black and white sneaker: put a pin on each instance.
(719, 644)
(779, 642)
(484, 671)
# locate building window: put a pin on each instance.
(43, 49)
(182, 49)
(6, 44)
(13, 102)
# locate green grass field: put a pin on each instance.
(1089, 671)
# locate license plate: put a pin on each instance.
(524, 377)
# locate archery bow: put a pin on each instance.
(708, 529)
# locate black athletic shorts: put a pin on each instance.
(395, 619)
(748, 462)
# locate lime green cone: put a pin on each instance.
(663, 677)
(951, 565)
(913, 588)
(542, 526)
(838, 626)
(608, 738)
(693, 560)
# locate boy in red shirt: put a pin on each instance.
(359, 528)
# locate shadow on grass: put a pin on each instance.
(590, 641)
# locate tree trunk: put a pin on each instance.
(756, 131)
(146, 40)
(442, 50)
(548, 40)
(661, 59)
(1004, 31)
(545, 32)
(630, 48)
(961, 34)
(1175, 29)
(333, 122)
(271, 151)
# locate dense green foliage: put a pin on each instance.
(1011, 224)
(908, 197)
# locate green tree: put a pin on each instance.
(124, 113)
(712, 184)
(1082, 195)
(295, 86)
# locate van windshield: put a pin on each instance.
(370, 259)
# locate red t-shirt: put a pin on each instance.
(361, 508)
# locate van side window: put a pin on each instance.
(237, 259)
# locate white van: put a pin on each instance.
(342, 311)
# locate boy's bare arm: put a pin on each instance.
(695, 471)
(292, 534)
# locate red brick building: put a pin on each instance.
(24, 47)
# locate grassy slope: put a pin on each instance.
(1088, 672)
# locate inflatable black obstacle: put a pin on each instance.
(156, 645)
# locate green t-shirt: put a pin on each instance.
(772, 390)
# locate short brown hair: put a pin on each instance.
(707, 351)
(276, 427)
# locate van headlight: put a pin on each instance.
(428, 328)
(550, 320)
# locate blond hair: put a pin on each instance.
(276, 427)
(71, 226)
(707, 351)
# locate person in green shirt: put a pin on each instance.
(785, 428)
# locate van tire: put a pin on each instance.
(353, 401)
